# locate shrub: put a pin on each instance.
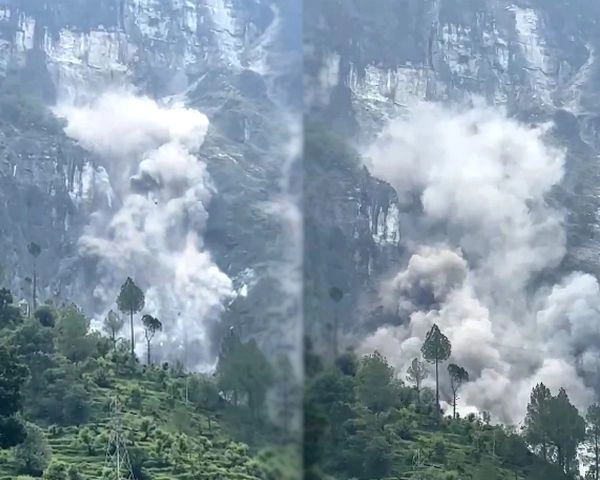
(135, 397)
(33, 455)
(101, 378)
(56, 471)
(46, 316)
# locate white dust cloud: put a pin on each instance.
(480, 239)
(153, 232)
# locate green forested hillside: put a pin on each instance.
(363, 421)
(66, 390)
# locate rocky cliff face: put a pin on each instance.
(226, 58)
(538, 60)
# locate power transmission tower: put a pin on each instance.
(117, 461)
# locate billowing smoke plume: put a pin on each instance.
(480, 237)
(152, 232)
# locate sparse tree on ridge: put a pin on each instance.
(458, 376)
(131, 300)
(436, 349)
(416, 373)
(112, 325)
(151, 326)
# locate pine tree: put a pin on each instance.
(458, 376)
(130, 300)
(416, 373)
(436, 349)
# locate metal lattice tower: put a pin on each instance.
(117, 460)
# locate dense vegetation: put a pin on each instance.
(363, 421)
(66, 390)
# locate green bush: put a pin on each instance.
(33, 455)
(135, 397)
(438, 451)
(73, 473)
(102, 378)
(56, 471)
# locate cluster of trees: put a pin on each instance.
(437, 349)
(39, 381)
(553, 426)
(359, 416)
(245, 377)
(131, 300)
(354, 408)
(557, 432)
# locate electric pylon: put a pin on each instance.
(117, 464)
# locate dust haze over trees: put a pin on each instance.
(361, 421)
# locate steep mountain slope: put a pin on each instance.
(366, 65)
(234, 61)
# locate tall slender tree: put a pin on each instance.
(112, 325)
(34, 250)
(458, 376)
(436, 349)
(131, 300)
(536, 420)
(416, 373)
(566, 430)
(151, 326)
